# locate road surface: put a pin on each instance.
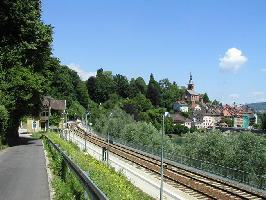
(23, 173)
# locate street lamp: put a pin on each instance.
(163, 130)
(88, 113)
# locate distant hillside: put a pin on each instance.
(258, 107)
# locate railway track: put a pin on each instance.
(202, 184)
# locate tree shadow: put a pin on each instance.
(21, 140)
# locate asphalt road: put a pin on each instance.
(23, 173)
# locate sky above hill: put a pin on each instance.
(222, 43)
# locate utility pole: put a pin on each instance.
(108, 140)
(49, 113)
(162, 143)
(88, 113)
(161, 189)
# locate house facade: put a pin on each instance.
(180, 106)
(41, 123)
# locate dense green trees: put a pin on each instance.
(170, 93)
(121, 85)
(27, 69)
(25, 48)
(153, 91)
(137, 86)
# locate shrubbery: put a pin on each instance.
(241, 151)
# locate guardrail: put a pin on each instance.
(92, 190)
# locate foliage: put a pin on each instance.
(121, 85)
(170, 93)
(215, 102)
(205, 98)
(82, 94)
(136, 105)
(244, 151)
(64, 183)
(3, 122)
(76, 110)
(263, 121)
(104, 86)
(153, 91)
(137, 86)
(25, 48)
(228, 121)
(177, 129)
(55, 118)
(114, 185)
(114, 100)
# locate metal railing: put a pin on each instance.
(92, 190)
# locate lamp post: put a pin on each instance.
(163, 130)
(88, 113)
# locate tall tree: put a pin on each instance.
(121, 85)
(104, 86)
(206, 98)
(91, 86)
(170, 93)
(25, 48)
(137, 86)
(153, 91)
(82, 94)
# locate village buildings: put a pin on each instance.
(207, 115)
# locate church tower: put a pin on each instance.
(190, 85)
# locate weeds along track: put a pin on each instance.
(205, 185)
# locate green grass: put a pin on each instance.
(114, 184)
(36, 135)
(64, 183)
(2, 147)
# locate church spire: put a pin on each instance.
(190, 84)
(190, 78)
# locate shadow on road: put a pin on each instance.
(21, 140)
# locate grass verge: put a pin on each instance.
(115, 185)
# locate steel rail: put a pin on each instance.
(171, 174)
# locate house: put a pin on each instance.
(188, 123)
(179, 119)
(195, 107)
(206, 118)
(180, 106)
(41, 123)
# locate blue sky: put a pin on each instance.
(223, 43)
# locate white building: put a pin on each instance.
(180, 106)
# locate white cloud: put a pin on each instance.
(233, 60)
(83, 74)
(234, 96)
(263, 70)
(257, 93)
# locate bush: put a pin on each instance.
(3, 124)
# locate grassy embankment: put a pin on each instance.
(115, 185)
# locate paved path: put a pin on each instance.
(23, 173)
